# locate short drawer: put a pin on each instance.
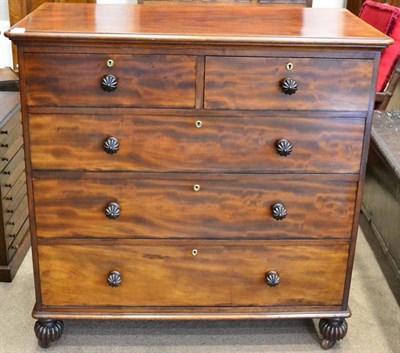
(256, 83)
(11, 203)
(166, 81)
(10, 190)
(11, 128)
(176, 143)
(132, 205)
(193, 274)
(15, 244)
(13, 226)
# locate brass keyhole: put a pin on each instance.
(110, 63)
(196, 187)
(199, 124)
(194, 252)
(289, 66)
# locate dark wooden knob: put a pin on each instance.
(284, 147)
(109, 83)
(113, 210)
(279, 211)
(289, 86)
(272, 278)
(111, 145)
(114, 279)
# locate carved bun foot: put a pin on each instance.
(48, 331)
(332, 330)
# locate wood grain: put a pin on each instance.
(166, 81)
(168, 275)
(173, 143)
(198, 24)
(254, 83)
(165, 206)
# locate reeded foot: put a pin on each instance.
(48, 331)
(332, 330)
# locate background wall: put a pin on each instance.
(5, 44)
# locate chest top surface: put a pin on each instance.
(198, 24)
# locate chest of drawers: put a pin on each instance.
(14, 224)
(183, 164)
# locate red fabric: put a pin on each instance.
(385, 18)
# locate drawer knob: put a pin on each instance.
(284, 147)
(289, 86)
(113, 210)
(109, 83)
(279, 211)
(198, 124)
(111, 145)
(114, 279)
(272, 278)
(196, 187)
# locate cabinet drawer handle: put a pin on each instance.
(12, 236)
(15, 247)
(279, 211)
(114, 279)
(272, 278)
(111, 145)
(284, 147)
(4, 145)
(6, 173)
(113, 210)
(4, 132)
(10, 211)
(109, 83)
(289, 86)
(8, 186)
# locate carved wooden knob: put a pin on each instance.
(109, 83)
(272, 278)
(111, 145)
(284, 147)
(114, 279)
(289, 86)
(113, 210)
(279, 211)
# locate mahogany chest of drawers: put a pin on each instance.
(196, 162)
(14, 223)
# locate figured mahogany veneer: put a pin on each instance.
(166, 206)
(170, 275)
(195, 162)
(166, 81)
(254, 83)
(176, 143)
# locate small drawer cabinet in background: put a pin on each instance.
(14, 223)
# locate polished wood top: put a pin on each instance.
(197, 24)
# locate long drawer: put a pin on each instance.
(193, 205)
(175, 143)
(166, 81)
(193, 274)
(256, 83)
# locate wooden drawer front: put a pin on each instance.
(148, 143)
(162, 206)
(13, 225)
(166, 81)
(10, 132)
(170, 275)
(254, 83)
(9, 191)
(11, 203)
(10, 152)
(14, 246)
